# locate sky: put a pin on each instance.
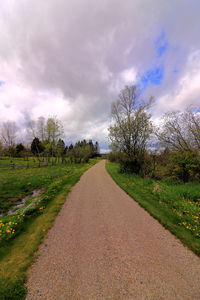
(70, 59)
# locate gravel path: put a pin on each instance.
(103, 245)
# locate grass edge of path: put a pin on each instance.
(22, 251)
(162, 214)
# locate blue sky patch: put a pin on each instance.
(1, 82)
(153, 76)
(175, 70)
(161, 44)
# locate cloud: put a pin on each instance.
(71, 59)
(187, 90)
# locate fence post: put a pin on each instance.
(27, 165)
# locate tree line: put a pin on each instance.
(133, 133)
(46, 138)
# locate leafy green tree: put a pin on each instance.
(131, 128)
(19, 148)
(48, 132)
(54, 130)
(82, 151)
(61, 146)
(37, 147)
(66, 150)
(60, 149)
(96, 148)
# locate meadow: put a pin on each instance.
(22, 232)
(16, 183)
(176, 206)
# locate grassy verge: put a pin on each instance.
(18, 252)
(175, 206)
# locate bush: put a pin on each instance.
(130, 165)
(115, 156)
(138, 164)
(186, 166)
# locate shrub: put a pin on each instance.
(128, 165)
(115, 156)
(186, 166)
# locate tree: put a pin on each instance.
(19, 148)
(37, 147)
(70, 147)
(54, 130)
(132, 127)
(180, 131)
(60, 148)
(96, 148)
(48, 132)
(41, 128)
(1, 148)
(8, 134)
(31, 130)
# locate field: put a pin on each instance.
(16, 183)
(22, 232)
(176, 206)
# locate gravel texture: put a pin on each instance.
(103, 245)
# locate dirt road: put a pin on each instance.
(103, 245)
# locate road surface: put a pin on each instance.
(103, 245)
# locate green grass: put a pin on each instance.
(175, 206)
(17, 183)
(18, 250)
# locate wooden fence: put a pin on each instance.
(27, 164)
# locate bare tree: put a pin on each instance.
(193, 121)
(37, 129)
(8, 134)
(41, 128)
(32, 135)
(31, 130)
(180, 131)
(1, 148)
(132, 126)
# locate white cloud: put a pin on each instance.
(71, 58)
(186, 92)
(128, 76)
